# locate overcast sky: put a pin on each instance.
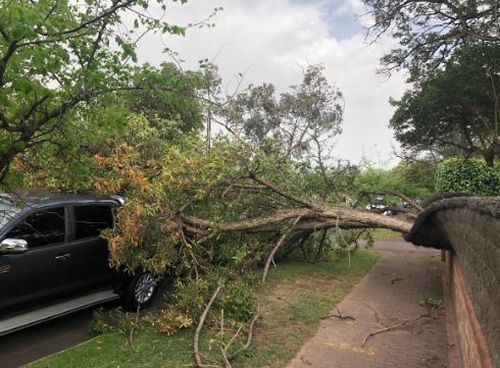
(271, 40)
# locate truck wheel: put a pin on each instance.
(140, 291)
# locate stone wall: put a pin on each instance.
(469, 227)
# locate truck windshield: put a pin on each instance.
(7, 212)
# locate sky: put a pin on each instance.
(273, 40)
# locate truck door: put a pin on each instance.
(90, 269)
(41, 273)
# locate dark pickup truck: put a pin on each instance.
(54, 262)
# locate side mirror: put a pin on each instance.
(13, 246)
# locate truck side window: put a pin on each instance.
(41, 228)
(90, 220)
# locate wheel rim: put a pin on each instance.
(144, 288)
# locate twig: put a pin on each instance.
(339, 230)
(197, 355)
(222, 326)
(190, 250)
(224, 347)
(131, 333)
(231, 341)
(250, 335)
(286, 195)
(403, 323)
(227, 364)
(339, 316)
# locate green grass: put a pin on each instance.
(295, 297)
(384, 234)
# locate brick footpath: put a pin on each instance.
(389, 294)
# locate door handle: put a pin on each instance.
(62, 257)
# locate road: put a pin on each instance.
(51, 337)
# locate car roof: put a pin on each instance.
(44, 197)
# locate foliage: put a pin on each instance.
(291, 124)
(471, 176)
(380, 180)
(67, 161)
(113, 320)
(56, 57)
(429, 31)
(168, 94)
(238, 302)
(431, 303)
(332, 183)
(169, 321)
(159, 177)
(69, 164)
(166, 321)
(420, 173)
(456, 109)
(191, 296)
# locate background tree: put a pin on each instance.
(292, 124)
(420, 173)
(456, 109)
(429, 31)
(389, 182)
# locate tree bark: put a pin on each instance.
(313, 220)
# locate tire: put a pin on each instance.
(140, 291)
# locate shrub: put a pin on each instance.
(237, 301)
(471, 176)
(191, 296)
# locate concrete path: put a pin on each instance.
(389, 294)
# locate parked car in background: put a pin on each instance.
(378, 205)
(54, 262)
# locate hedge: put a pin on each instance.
(472, 176)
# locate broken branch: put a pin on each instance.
(403, 323)
(275, 249)
(339, 316)
(197, 355)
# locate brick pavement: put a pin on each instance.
(389, 294)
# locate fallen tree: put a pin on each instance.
(207, 207)
(220, 219)
(313, 217)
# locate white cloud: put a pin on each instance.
(273, 39)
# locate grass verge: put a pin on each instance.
(385, 234)
(295, 297)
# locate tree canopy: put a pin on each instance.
(291, 124)
(56, 56)
(430, 31)
(455, 110)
